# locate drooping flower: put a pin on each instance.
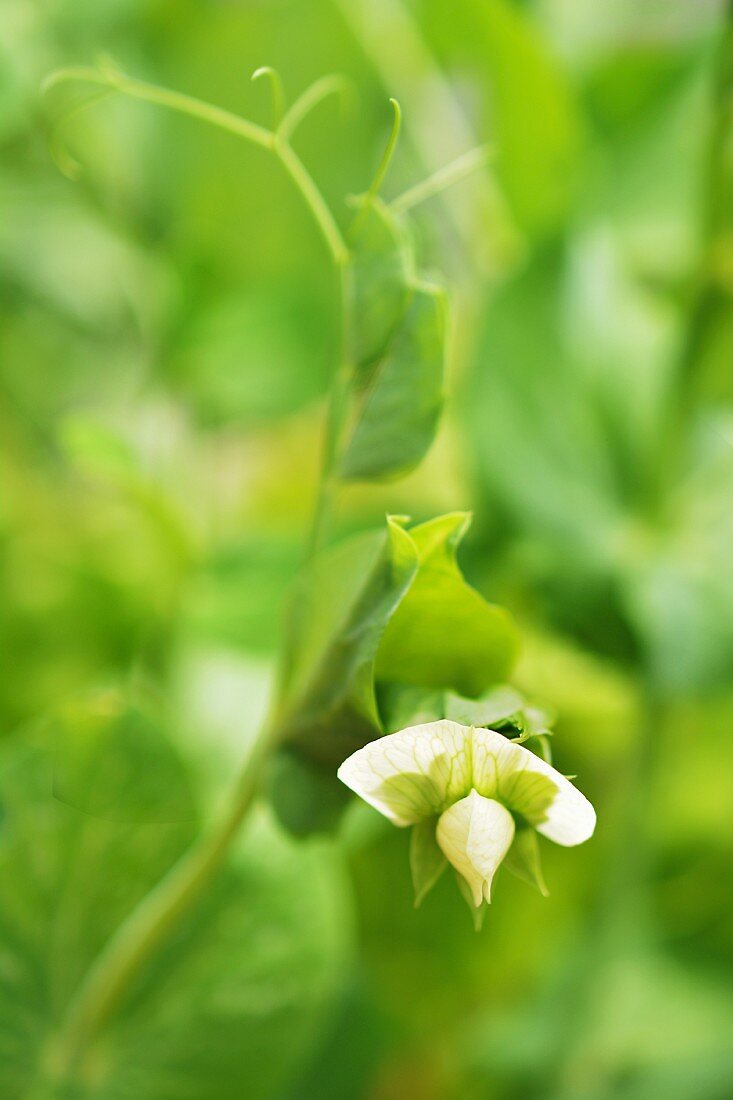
(475, 798)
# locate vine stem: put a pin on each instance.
(137, 938)
(109, 978)
(443, 178)
(277, 142)
(407, 67)
(223, 120)
(303, 180)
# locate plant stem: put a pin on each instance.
(109, 979)
(223, 120)
(305, 103)
(137, 938)
(457, 170)
(164, 97)
(407, 67)
(302, 179)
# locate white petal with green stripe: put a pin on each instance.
(412, 774)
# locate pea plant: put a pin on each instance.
(393, 682)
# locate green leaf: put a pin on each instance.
(384, 621)
(537, 126)
(381, 281)
(427, 861)
(114, 759)
(229, 1007)
(342, 608)
(557, 486)
(505, 709)
(403, 705)
(493, 709)
(678, 590)
(444, 634)
(255, 354)
(237, 595)
(305, 799)
(501, 708)
(397, 414)
(523, 859)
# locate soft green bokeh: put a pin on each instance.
(168, 329)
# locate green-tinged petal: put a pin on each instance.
(531, 788)
(427, 861)
(475, 835)
(412, 774)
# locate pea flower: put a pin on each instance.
(476, 793)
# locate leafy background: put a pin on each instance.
(166, 334)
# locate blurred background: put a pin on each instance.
(166, 332)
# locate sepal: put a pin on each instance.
(427, 862)
(523, 860)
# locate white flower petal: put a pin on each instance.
(530, 786)
(475, 835)
(412, 774)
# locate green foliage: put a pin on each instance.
(500, 708)
(380, 282)
(398, 410)
(398, 338)
(444, 634)
(523, 859)
(166, 332)
(258, 959)
(341, 608)
(537, 119)
(253, 356)
(305, 798)
(387, 609)
(427, 861)
(114, 759)
(536, 124)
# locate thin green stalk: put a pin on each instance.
(64, 161)
(224, 120)
(277, 142)
(137, 938)
(164, 97)
(383, 166)
(388, 152)
(439, 181)
(302, 179)
(393, 41)
(109, 979)
(277, 90)
(305, 103)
